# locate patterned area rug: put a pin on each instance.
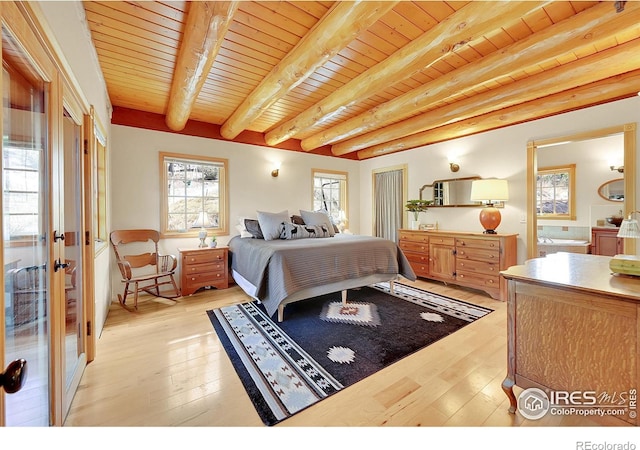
(323, 346)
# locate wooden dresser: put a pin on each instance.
(464, 258)
(605, 241)
(574, 327)
(203, 267)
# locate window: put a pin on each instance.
(100, 187)
(194, 194)
(555, 193)
(330, 194)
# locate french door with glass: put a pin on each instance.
(42, 319)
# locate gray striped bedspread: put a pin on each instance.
(280, 268)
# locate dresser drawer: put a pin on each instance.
(470, 265)
(415, 236)
(443, 240)
(478, 254)
(217, 266)
(410, 246)
(487, 244)
(204, 278)
(478, 280)
(203, 257)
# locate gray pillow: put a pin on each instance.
(253, 227)
(318, 218)
(271, 224)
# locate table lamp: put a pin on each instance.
(489, 191)
(627, 264)
(202, 222)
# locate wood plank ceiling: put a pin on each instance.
(360, 79)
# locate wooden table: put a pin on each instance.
(573, 326)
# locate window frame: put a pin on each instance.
(223, 195)
(344, 193)
(570, 169)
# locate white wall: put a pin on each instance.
(135, 180)
(501, 154)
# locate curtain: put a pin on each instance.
(388, 204)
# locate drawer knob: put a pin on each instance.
(490, 281)
(193, 279)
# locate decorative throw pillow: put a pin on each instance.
(318, 218)
(253, 228)
(297, 220)
(294, 231)
(242, 229)
(271, 223)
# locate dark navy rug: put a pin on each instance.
(323, 346)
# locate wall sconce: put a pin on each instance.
(489, 191)
(618, 168)
(276, 169)
(454, 167)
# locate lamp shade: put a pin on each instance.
(202, 221)
(629, 229)
(489, 190)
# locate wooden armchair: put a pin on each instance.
(142, 266)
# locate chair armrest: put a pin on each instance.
(167, 263)
(125, 269)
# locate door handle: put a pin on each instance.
(57, 265)
(57, 237)
(14, 376)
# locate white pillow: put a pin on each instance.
(271, 224)
(318, 218)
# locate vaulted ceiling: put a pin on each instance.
(360, 79)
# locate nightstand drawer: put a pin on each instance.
(203, 278)
(204, 268)
(203, 257)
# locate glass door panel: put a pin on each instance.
(74, 353)
(25, 221)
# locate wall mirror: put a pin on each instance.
(450, 192)
(612, 190)
(628, 132)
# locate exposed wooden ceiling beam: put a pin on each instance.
(605, 64)
(206, 25)
(332, 33)
(588, 28)
(618, 87)
(469, 23)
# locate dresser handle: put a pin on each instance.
(490, 281)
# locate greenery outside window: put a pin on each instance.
(555, 193)
(330, 194)
(194, 195)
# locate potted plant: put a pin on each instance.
(416, 207)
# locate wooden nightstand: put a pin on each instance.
(202, 267)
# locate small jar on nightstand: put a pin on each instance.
(203, 267)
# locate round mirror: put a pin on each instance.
(612, 190)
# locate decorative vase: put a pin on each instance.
(414, 225)
(213, 244)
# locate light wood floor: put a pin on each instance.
(164, 366)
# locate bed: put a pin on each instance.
(279, 272)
